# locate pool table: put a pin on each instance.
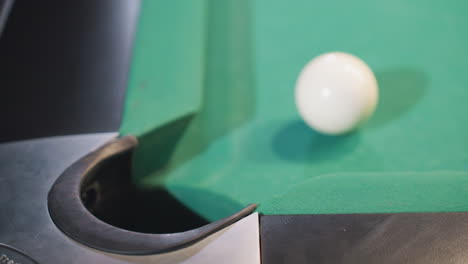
(211, 100)
(177, 140)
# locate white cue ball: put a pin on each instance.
(336, 92)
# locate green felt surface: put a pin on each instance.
(245, 142)
(166, 76)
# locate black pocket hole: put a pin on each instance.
(89, 197)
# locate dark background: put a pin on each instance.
(64, 66)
